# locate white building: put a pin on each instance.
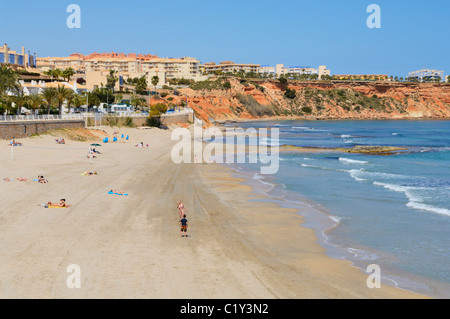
(298, 70)
(427, 75)
(268, 70)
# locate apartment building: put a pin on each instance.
(48, 63)
(168, 68)
(267, 70)
(23, 59)
(427, 75)
(126, 65)
(280, 69)
(231, 67)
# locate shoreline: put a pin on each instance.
(319, 219)
(347, 269)
(130, 247)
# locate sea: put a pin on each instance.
(390, 211)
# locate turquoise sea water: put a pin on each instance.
(393, 211)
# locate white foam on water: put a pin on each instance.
(346, 136)
(354, 173)
(374, 175)
(415, 201)
(362, 254)
(261, 179)
(429, 208)
(351, 161)
(307, 165)
(336, 219)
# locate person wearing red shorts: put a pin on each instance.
(184, 226)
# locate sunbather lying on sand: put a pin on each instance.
(62, 203)
(112, 191)
(14, 143)
(21, 179)
(41, 179)
(90, 173)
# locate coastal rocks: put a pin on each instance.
(362, 149)
(376, 150)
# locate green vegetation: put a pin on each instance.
(111, 80)
(307, 110)
(141, 85)
(253, 107)
(282, 80)
(155, 80)
(181, 81)
(290, 93)
(158, 109)
(227, 85)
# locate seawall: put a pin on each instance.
(21, 129)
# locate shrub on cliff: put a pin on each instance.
(282, 80)
(253, 107)
(290, 93)
(307, 110)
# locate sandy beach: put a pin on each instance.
(130, 246)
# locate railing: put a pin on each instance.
(178, 112)
(49, 117)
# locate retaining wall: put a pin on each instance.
(177, 118)
(21, 129)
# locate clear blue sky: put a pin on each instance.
(414, 34)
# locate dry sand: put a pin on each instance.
(130, 246)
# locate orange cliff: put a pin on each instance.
(258, 99)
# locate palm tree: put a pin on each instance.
(62, 94)
(9, 81)
(68, 73)
(78, 100)
(49, 96)
(155, 81)
(35, 101)
(70, 98)
(20, 99)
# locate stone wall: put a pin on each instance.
(21, 129)
(178, 118)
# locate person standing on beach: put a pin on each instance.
(184, 225)
(181, 209)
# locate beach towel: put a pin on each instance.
(53, 206)
(113, 193)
